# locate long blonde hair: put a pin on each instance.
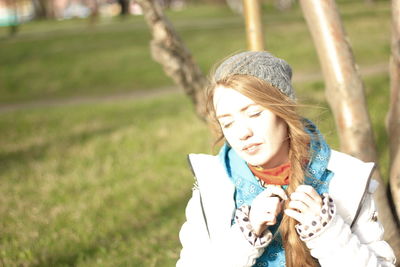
(264, 94)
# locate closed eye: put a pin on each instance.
(226, 125)
(255, 114)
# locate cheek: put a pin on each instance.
(228, 136)
(232, 140)
(281, 134)
(276, 131)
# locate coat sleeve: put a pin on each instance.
(359, 246)
(198, 249)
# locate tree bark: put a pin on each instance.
(13, 23)
(254, 30)
(94, 14)
(39, 8)
(393, 117)
(236, 6)
(284, 4)
(48, 8)
(168, 49)
(124, 4)
(345, 94)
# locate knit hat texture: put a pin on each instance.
(262, 65)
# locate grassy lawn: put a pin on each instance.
(96, 184)
(72, 58)
(106, 184)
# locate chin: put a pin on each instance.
(257, 162)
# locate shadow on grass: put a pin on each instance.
(9, 160)
(170, 211)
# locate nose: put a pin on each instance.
(244, 131)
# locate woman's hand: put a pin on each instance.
(266, 207)
(305, 203)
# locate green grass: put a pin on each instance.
(106, 184)
(96, 183)
(60, 59)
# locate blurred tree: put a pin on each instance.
(345, 94)
(254, 30)
(124, 4)
(43, 8)
(284, 4)
(39, 8)
(393, 117)
(13, 22)
(236, 6)
(169, 50)
(94, 11)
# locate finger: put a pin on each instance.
(300, 196)
(265, 211)
(273, 205)
(313, 205)
(275, 190)
(272, 222)
(295, 215)
(310, 191)
(299, 206)
(268, 219)
(263, 205)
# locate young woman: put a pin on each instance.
(276, 194)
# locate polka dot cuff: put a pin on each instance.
(318, 223)
(242, 219)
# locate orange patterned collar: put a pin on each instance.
(276, 176)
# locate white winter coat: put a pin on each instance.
(353, 237)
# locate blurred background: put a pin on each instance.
(94, 135)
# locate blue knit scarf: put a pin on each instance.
(247, 187)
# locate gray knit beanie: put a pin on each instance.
(262, 65)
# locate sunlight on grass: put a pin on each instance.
(106, 184)
(94, 178)
(69, 58)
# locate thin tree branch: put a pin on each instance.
(169, 50)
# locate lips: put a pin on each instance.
(251, 148)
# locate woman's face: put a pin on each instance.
(256, 134)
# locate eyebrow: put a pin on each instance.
(241, 110)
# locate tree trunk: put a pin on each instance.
(13, 23)
(50, 8)
(94, 14)
(124, 4)
(168, 49)
(44, 9)
(345, 94)
(39, 9)
(284, 4)
(236, 6)
(254, 30)
(393, 117)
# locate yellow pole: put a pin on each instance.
(255, 36)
